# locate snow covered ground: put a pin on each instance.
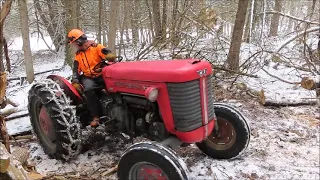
(284, 140)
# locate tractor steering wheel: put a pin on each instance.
(98, 68)
(120, 58)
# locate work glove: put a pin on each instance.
(111, 57)
(75, 83)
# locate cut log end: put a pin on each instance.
(4, 162)
(21, 154)
(308, 83)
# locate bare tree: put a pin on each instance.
(25, 37)
(275, 19)
(135, 21)
(156, 18)
(72, 9)
(249, 23)
(233, 55)
(5, 9)
(113, 25)
(51, 17)
(100, 20)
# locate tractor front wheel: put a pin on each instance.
(230, 137)
(53, 120)
(148, 160)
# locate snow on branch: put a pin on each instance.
(291, 17)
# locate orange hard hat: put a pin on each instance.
(74, 34)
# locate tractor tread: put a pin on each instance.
(66, 123)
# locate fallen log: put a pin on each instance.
(110, 171)
(8, 111)
(17, 116)
(12, 110)
(287, 98)
(28, 136)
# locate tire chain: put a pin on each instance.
(66, 112)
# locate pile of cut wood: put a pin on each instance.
(12, 165)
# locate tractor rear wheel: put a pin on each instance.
(231, 138)
(54, 121)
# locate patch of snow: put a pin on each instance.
(17, 126)
(36, 43)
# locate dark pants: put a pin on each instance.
(90, 91)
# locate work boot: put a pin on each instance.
(95, 122)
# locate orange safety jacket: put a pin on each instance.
(89, 58)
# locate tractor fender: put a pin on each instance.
(68, 89)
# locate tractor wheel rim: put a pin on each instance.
(146, 171)
(225, 137)
(46, 127)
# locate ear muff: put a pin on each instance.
(81, 40)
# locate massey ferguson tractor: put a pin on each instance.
(169, 102)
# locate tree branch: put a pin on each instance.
(280, 78)
(291, 17)
(5, 10)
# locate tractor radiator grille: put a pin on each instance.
(185, 101)
(210, 98)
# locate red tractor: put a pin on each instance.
(169, 102)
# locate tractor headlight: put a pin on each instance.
(152, 94)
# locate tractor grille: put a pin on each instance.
(210, 98)
(185, 101)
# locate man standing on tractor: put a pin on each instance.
(89, 54)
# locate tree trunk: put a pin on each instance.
(150, 19)
(6, 53)
(174, 33)
(233, 55)
(248, 22)
(122, 27)
(255, 20)
(247, 34)
(292, 10)
(112, 35)
(1, 48)
(100, 21)
(104, 33)
(5, 10)
(164, 17)
(134, 21)
(72, 11)
(26, 42)
(275, 19)
(3, 86)
(126, 19)
(157, 19)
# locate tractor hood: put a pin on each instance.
(180, 70)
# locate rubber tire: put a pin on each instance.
(161, 156)
(68, 134)
(242, 130)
